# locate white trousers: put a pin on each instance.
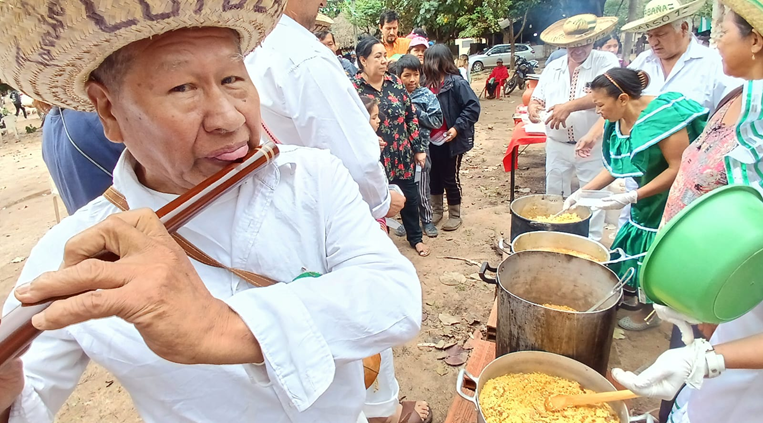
(382, 396)
(625, 215)
(562, 165)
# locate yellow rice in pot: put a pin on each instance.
(520, 398)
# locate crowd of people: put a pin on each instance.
(394, 125)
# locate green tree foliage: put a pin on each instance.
(333, 8)
(364, 13)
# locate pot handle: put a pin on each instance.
(623, 257)
(647, 418)
(486, 268)
(460, 386)
(502, 247)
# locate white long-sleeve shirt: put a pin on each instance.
(301, 212)
(308, 100)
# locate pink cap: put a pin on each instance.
(418, 41)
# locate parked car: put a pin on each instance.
(478, 62)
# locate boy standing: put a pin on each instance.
(429, 113)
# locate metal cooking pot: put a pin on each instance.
(551, 364)
(529, 279)
(524, 209)
(545, 241)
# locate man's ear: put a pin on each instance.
(757, 42)
(101, 98)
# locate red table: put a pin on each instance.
(519, 137)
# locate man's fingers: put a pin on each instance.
(80, 308)
(85, 276)
(120, 233)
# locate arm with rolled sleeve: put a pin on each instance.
(470, 106)
(369, 301)
(329, 114)
(55, 361)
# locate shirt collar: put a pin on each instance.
(694, 51)
(587, 64)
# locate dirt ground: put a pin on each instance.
(27, 212)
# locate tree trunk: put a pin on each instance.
(513, 39)
(629, 37)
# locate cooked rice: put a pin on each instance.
(520, 398)
(562, 218)
(560, 307)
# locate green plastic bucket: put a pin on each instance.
(707, 263)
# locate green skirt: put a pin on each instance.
(634, 240)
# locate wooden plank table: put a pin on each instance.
(461, 410)
(492, 321)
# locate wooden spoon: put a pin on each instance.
(560, 402)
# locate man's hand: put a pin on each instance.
(452, 134)
(420, 159)
(396, 203)
(153, 286)
(533, 112)
(584, 146)
(559, 115)
(11, 384)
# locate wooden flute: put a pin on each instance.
(16, 330)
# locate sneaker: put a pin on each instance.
(430, 230)
(400, 231)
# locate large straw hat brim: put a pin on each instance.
(323, 21)
(49, 49)
(661, 19)
(555, 35)
(749, 10)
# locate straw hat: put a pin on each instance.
(49, 49)
(323, 22)
(751, 11)
(662, 12)
(579, 30)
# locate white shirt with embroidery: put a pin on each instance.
(301, 212)
(698, 75)
(308, 100)
(557, 86)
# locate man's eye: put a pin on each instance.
(230, 80)
(181, 88)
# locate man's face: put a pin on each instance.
(185, 107)
(418, 51)
(410, 78)
(329, 42)
(499, 63)
(389, 32)
(666, 42)
(579, 54)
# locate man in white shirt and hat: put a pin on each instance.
(308, 100)
(172, 86)
(563, 90)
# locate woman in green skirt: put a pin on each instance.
(644, 139)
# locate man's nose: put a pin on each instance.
(222, 115)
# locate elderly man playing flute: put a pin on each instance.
(169, 82)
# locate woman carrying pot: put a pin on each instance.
(714, 392)
(644, 138)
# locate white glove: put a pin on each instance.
(681, 321)
(572, 200)
(618, 201)
(674, 368)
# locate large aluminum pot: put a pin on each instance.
(536, 361)
(553, 241)
(525, 209)
(529, 279)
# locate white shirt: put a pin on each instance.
(301, 212)
(698, 75)
(308, 100)
(557, 86)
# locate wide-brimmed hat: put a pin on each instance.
(49, 49)
(579, 30)
(749, 10)
(323, 22)
(662, 12)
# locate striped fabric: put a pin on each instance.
(743, 163)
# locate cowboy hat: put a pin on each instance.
(662, 12)
(49, 49)
(751, 11)
(579, 30)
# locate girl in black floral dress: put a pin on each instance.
(399, 129)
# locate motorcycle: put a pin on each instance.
(523, 67)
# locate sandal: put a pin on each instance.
(422, 249)
(410, 415)
(627, 323)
